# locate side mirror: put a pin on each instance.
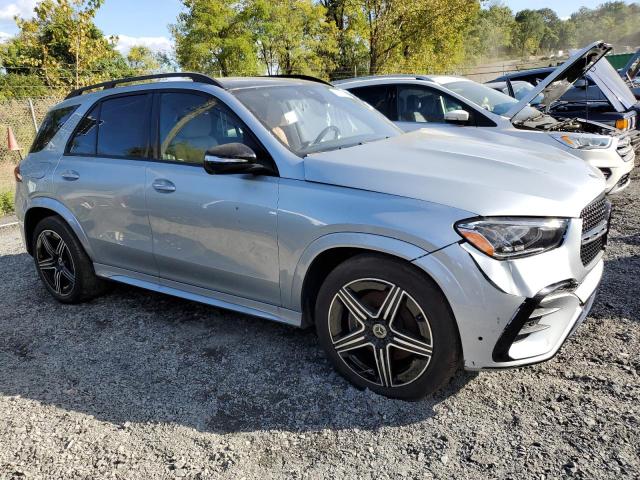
(231, 158)
(456, 116)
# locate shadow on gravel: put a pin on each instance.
(136, 356)
(619, 290)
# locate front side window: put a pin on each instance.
(425, 105)
(313, 118)
(191, 124)
(53, 122)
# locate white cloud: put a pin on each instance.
(21, 8)
(4, 36)
(156, 44)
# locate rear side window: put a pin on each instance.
(116, 127)
(54, 120)
(380, 97)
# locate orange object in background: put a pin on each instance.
(12, 143)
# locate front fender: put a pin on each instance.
(68, 216)
(364, 241)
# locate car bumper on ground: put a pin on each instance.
(515, 313)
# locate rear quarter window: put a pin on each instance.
(51, 124)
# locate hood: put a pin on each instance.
(452, 169)
(556, 84)
(631, 69)
(612, 86)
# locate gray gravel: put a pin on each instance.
(139, 385)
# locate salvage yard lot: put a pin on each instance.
(141, 385)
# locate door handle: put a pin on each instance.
(163, 186)
(70, 175)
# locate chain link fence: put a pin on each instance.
(23, 117)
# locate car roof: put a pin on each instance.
(525, 73)
(373, 79)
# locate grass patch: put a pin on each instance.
(6, 203)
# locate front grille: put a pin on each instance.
(590, 250)
(594, 213)
(592, 216)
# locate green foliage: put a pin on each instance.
(614, 22)
(491, 33)
(142, 60)
(16, 86)
(6, 203)
(212, 36)
(529, 32)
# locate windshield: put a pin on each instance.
(490, 99)
(314, 118)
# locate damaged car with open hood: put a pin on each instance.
(440, 103)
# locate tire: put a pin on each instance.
(387, 327)
(64, 268)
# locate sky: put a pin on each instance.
(145, 22)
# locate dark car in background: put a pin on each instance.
(600, 96)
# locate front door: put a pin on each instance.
(217, 232)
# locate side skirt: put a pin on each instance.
(201, 295)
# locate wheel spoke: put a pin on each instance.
(383, 365)
(350, 342)
(391, 303)
(47, 264)
(47, 245)
(354, 306)
(60, 248)
(68, 275)
(410, 344)
(56, 281)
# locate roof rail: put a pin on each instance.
(302, 77)
(196, 77)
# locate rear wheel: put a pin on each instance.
(62, 264)
(387, 327)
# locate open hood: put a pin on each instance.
(631, 69)
(557, 83)
(612, 86)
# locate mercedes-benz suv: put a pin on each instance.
(292, 200)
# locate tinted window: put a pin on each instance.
(424, 105)
(54, 120)
(191, 124)
(86, 135)
(123, 127)
(380, 97)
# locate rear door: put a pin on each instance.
(217, 232)
(101, 178)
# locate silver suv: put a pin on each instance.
(294, 201)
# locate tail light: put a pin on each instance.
(622, 124)
(17, 174)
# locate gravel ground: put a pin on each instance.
(139, 385)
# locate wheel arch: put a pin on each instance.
(43, 207)
(327, 252)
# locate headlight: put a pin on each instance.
(505, 238)
(582, 141)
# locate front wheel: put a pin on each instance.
(387, 327)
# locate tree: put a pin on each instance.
(552, 30)
(62, 45)
(292, 36)
(528, 32)
(16, 86)
(415, 36)
(211, 36)
(351, 54)
(491, 33)
(142, 60)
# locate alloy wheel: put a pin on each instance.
(380, 332)
(55, 262)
